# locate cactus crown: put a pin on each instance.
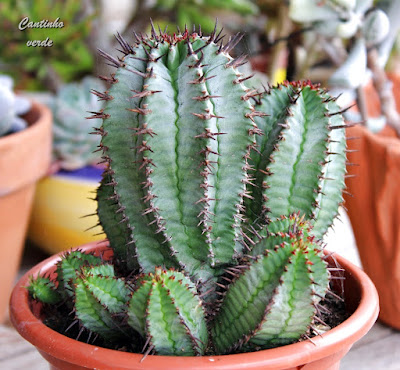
(212, 201)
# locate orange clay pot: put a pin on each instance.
(324, 352)
(24, 159)
(374, 208)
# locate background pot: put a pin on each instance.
(374, 208)
(24, 159)
(324, 353)
(60, 204)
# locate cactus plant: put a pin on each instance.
(73, 146)
(212, 207)
(11, 107)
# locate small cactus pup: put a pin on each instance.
(44, 290)
(215, 245)
(164, 311)
(167, 311)
(72, 144)
(89, 289)
(11, 107)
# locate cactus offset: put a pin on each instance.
(272, 302)
(165, 309)
(95, 295)
(99, 298)
(67, 268)
(192, 213)
(300, 164)
(44, 290)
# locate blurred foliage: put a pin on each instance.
(270, 7)
(195, 12)
(34, 67)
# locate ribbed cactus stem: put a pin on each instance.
(177, 132)
(68, 265)
(301, 159)
(166, 310)
(99, 300)
(118, 234)
(43, 290)
(272, 302)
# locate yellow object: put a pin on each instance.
(279, 76)
(57, 221)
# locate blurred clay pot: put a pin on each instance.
(24, 159)
(374, 206)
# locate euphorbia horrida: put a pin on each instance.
(213, 199)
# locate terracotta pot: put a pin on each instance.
(324, 352)
(374, 208)
(24, 159)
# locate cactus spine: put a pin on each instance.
(192, 212)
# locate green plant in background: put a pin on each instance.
(265, 39)
(189, 12)
(185, 144)
(72, 144)
(45, 67)
(11, 107)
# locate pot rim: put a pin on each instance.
(59, 346)
(26, 155)
(43, 116)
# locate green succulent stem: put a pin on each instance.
(166, 310)
(301, 161)
(272, 302)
